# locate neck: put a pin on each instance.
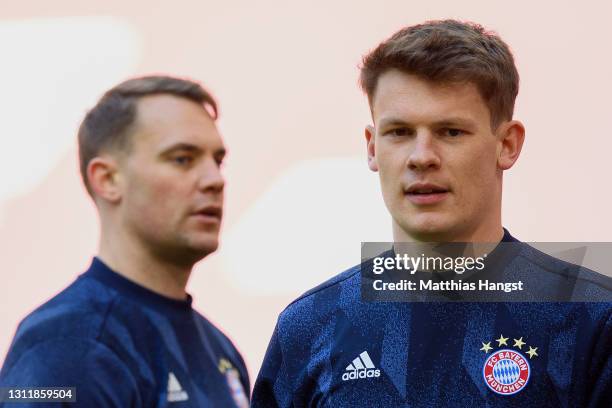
(129, 258)
(480, 242)
(493, 234)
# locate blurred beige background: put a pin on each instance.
(300, 198)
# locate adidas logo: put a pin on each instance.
(175, 391)
(361, 367)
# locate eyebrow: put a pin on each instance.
(450, 121)
(189, 148)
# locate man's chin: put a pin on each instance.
(196, 250)
(428, 230)
(206, 248)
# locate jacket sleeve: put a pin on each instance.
(272, 388)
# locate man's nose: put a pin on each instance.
(423, 155)
(211, 177)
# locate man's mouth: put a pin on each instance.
(426, 193)
(209, 214)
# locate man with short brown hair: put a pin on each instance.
(441, 96)
(124, 334)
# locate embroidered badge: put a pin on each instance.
(507, 370)
(233, 382)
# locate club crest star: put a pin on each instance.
(532, 352)
(486, 347)
(519, 343)
(502, 340)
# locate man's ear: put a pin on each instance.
(370, 146)
(103, 177)
(511, 136)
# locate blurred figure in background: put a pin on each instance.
(124, 334)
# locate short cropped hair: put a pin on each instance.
(449, 51)
(108, 124)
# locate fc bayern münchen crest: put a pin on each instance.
(507, 371)
(233, 381)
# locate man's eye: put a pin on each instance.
(183, 160)
(453, 132)
(398, 132)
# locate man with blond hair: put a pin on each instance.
(124, 334)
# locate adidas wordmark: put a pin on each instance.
(361, 367)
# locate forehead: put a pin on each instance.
(163, 120)
(409, 97)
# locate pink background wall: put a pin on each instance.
(299, 198)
